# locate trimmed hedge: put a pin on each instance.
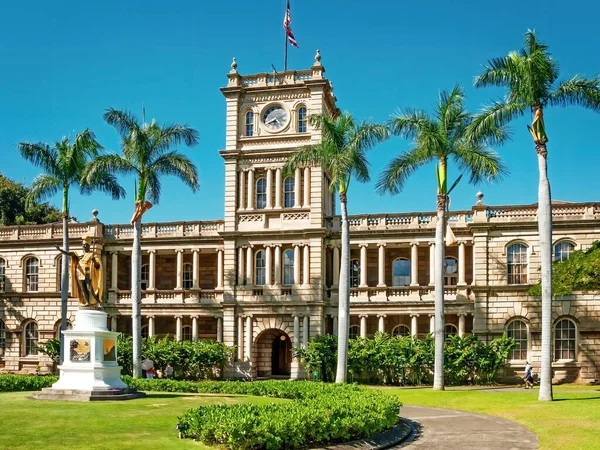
(320, 413)
(15, 383)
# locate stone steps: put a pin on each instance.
(75, 395)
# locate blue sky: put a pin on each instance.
(63, 63)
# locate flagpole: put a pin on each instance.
(287, 8)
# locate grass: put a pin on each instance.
(570, 422)
(142, 423)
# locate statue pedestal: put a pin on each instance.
(90, 370)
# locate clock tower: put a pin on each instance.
(274, 221)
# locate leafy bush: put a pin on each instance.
(199, 360)
(14, 383)
(320, 356)
(50, 348)
(320, 414)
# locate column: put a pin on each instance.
(335, 325)
(363, 326)
(249, 338)
(461, 264)
(179, 279)
(220, 268)
(296, 264)
(242, 199)
(195, 266)
(269, 188)
(336, 266)
(461, 324)
(194, 328)
(219, 329)
(297, 187)
(296, 331)
(278, 187)
(249, 266)
(178, 328)
(250, 189)
(381, 280)
(306, 264)
(114, 276)
(305, 332)
(240, 340)
(382, 323)
(414, 324)
(152, 269)
(277, 265)
(431, 263)
(268, 267)
(306, 202)
(363, 265)
(432, 323)
(150, 326)
(113, 323)
(241, 277)
(414, 264)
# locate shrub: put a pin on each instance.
(14, 383)
(320, 356)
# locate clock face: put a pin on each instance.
(275, 118)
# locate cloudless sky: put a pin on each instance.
(62, 63)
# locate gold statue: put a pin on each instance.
(87, 271)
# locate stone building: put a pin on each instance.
(265, 278)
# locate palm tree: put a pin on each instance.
(441, 137)
(63, 164)
(341, 153)
(146, 152)
(530, 78)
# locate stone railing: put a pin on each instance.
(167, 229)
(402, 294)
(168, 297)
(270, 79)
(48, 231)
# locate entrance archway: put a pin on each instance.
(273, 354)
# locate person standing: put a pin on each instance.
(169, 371)
(528, 376)
(148, 367)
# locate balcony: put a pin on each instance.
(401, 294)
(167, 297)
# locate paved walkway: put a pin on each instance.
(438, 428)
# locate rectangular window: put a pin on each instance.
(2, 275)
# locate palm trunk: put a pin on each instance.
(438, 372)
(545, 232)
(136, 298)
(344, 297)
(64, 275)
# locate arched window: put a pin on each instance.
(288, 192)
(517, 329)
(260, 268)
(32, 268)
(145, 274)
(449, 330)
(57, 329)
(188, 275)
(516, 263)
(563, 250)
(354, 273)
(354, 331)
(186, 333)
(2, 337)
(30, 337)
(2, 275)
(288, 267)
(249, 123)
(565, 339)
(401, 272)
(145, 331)
(261, 193)
(450, 271)
(401, 330)
(302, 120)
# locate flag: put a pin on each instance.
(287, 20)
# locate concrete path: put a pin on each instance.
(437, 428)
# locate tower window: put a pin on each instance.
(261, 193)
(288, 192)
(302, 120)
(249, 122)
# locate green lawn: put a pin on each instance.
(572, 421)
(144, 423)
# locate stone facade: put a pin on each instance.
(265, 278)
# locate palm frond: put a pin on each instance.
(174, 163)
(479, 162)
(490, 122)
(411, 123)
(43, 186)
(125, 122)
(153, 187)
(577, 91)
(310, 155)
(105, 165)
(393, 178)
(41, 155)
(102, 181)
(498, 72)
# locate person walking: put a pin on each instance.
(528, 376)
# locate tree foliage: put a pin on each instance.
(14, 209)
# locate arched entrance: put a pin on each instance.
(273, 354)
